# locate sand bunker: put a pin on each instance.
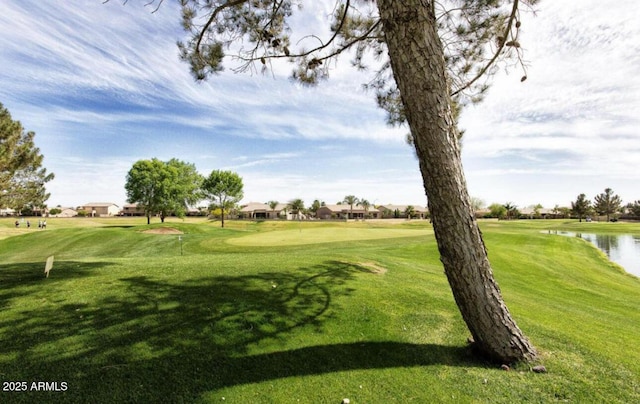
(163, 230)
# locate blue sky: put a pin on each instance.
(102, 87)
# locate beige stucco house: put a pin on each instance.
(100, 209)
(132, 209)
(66, 212)
(399, 211)
(345, 212)
(258, 210)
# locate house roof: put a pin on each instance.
(402, 208)
(531, 211)
(259, 206)
(346, 208)
(100, 204)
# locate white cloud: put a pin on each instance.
(102, 84)
(579, 105)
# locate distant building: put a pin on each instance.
(7, 212)
(66, 212)
(258, 210)
(533, 213)
(345, 212)
(132, 209)
(100, 209)
(399, 211)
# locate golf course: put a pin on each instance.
(303, 312)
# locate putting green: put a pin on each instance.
(322, 235)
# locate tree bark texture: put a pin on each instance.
(417, 59)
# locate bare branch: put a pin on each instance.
(323, 46)
(157, 8)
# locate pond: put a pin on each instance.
(623, 249)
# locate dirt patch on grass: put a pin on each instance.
(163, 230)
(373, 267)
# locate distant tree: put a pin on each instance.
(477, 204)
(22, 177)
(273, 205)
(365, 205)
(565, 212)
(182, 190)
(607, 203)
(634, 208)
(229, 209)
(297, 207)
(536, 211)
(511, 210)
(163, 188)
(315, 206)
(144, 185)
(350, 200)
(55, 211)
(497, 210)
(224, 189)
(409, 211)
(581, 206)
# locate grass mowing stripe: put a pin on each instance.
(124, 317)
(323, 235)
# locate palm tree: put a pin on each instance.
(273, 205)
(410, 211)
(365, 205)
(296, 206)
(536, 211)
(512, 210)
(350, 200)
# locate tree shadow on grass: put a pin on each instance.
(22, 279)
(154, 340)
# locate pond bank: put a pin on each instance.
(623, 249)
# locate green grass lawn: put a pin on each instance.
(277, 312)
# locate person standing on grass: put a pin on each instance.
(17, 224)
(28, 224)
(44, 224)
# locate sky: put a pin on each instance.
(102, 87)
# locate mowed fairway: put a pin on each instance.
(323, 235)
(303, 312)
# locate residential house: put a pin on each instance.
(345, 212)
(7, 212)
(66, 212)
(100, 209)
(258, 210)
(132, 209)
(399, 211)
(533, 213)
(202, 211)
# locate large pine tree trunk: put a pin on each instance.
(418, 64)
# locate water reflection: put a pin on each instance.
(622, 249)
(605, 242)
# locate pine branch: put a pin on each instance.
(501, 46)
